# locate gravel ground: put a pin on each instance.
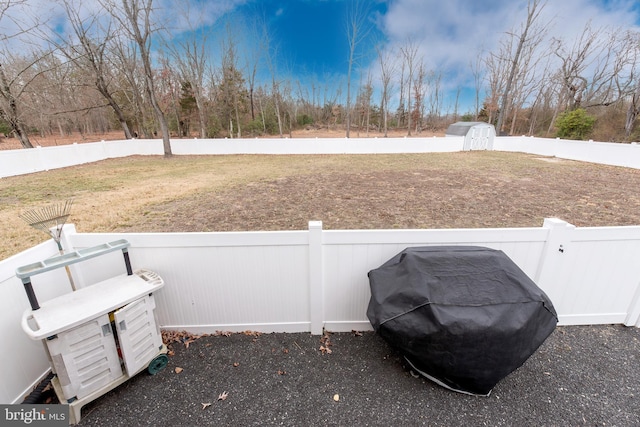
(581, 375)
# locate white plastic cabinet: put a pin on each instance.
(138, 333)
(85, 358)
(99, 336)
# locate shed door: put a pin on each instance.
(138, 333)
(480, 138)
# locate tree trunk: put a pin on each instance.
(21, 134)
(201, 118)
(531, 17)
(276, 98)
(357, 29)
(120, 115)
(632, 112)
(132, 9)
(10, 112)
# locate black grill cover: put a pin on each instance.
(463, 316)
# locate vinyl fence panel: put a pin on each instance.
(315, 279)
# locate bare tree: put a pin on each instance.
(633, 110)
(9, 108)
(574, 63)
(434, 83)
(529, 78)
(89, 53)
(409, 53)
(358, 29)
(189, 53)
(419, 94)
(598, 69)
(402, 110)
(456, 104)
(478, 75)
(232, 95)
(15, 79)
(363, 104)
(271, 54)
(134, 17)
(532, 95)
(387, 63)
(527, 33)
(125, 62)
(495, 78)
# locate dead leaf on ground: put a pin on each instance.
(236, 364)
(325, 350)
(223, 395)
(184, 337)
(282, 372)
(325, 342)
(205, 405)
(178, 370)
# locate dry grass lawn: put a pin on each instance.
(232, 193)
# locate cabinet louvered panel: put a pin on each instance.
(85, 358)
(138, 333)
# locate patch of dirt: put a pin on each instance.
(581, 194)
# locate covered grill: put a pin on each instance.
(462, 316)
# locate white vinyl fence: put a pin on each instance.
(606, 153)
(24, 161)
(304, 281)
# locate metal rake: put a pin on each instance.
(50, 220)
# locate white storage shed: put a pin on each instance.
(477, 135)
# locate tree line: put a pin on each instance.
(113, 69)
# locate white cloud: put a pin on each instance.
(451, 34)
(181, 16)
(177, 16)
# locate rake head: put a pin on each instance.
(49, 219)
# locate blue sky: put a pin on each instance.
(310, 35)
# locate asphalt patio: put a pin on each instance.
(581, 375)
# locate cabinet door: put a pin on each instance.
(139, 336)
(85, 358)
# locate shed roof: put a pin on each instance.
(462, 128)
